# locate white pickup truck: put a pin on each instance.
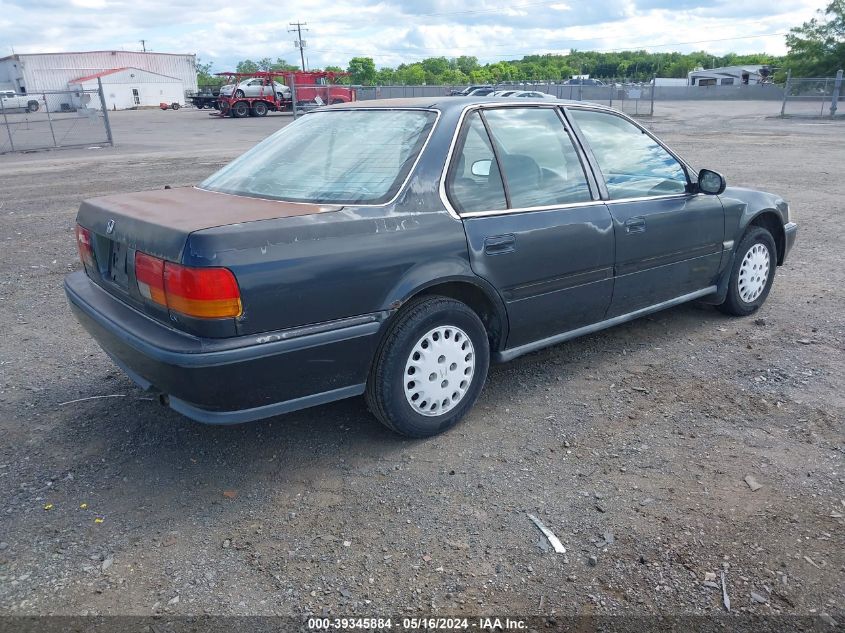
(9, 100)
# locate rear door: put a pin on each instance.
(534, 224)
(669, 241)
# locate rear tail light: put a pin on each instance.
(149, 273)
(83, 243)
(205, 293)
(202, 292)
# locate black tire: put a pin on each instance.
(734, 304)
(239, 93)
(259, 108)
(240, 109)
(32, 106)
(174, 106)
(386, 395)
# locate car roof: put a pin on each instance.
(446, 104)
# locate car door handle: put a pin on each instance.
(635, 225)
(499, 244)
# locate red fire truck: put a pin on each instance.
(256, 94)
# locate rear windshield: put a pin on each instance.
(336, 157)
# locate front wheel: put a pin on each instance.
(430, 367)
(752, 274)
(239, 93)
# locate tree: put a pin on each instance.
(386, 77)
(246, 66)
(466, 64)
(282, 64)
(363, 70)
(434, 68)
(204, 76)
(337, 80)
(817, 48)
(412, 75)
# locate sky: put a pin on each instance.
(394, 32)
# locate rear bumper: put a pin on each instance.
(229, 380)
(790, 231)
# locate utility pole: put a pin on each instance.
(299, 43)
(143, 45)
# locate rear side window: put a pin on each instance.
(333, 157)
(540, 164)
(475, 182)
(633, 164)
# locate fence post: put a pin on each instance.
(105, 111)
(837, 90)
(49, 119)
(653, 88)
(786, 91)
(293, 95)
(6, 121)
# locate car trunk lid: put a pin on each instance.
(159, 222)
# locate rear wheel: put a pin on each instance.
(240, 109)
(174, 106)
(752, 274)
(430, 367)
(259, 108)
(32, 106)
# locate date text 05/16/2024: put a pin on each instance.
(413, 624)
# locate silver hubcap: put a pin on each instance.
(753, 273)
(439, 370)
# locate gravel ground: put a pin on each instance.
(632, 445)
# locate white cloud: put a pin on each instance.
(397, 31)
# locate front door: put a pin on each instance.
(535, 226)
(668, 241)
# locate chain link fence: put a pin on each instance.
(632, 98)
(306, 97)
(52, 119)
(813, 96)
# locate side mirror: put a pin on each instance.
(481, 167)
(711, 182)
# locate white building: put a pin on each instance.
(660, 82)
(726, 76)
(125, 88)
(30, 73)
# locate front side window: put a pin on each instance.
(540, 164)
(633, 164)
(475, 182)
(333, 157)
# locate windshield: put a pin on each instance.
(335, 157)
